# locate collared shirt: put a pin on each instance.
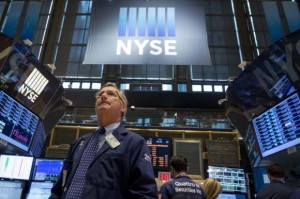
(111, 127)
(108, 130)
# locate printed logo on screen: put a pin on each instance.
(33, 85)
(143, 24)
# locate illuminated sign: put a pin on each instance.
(148, 32)
(151, 22)
(164, 176)
(34, 85)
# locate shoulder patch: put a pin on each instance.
(147, 157)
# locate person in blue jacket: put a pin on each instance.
(277, 188)
(181, 186)
(296, 194)
(121, 167)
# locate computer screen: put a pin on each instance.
(47, 169)
(264, 82)
(38, 141)
(15, 167)
(160, 151)
(260, 177)
(231, 179)
(252, 147)
(26, 79)
(232, 196)
(11, 189)
(278, 128)
(39, 190)
(17, 123)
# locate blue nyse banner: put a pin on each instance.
(148, 32)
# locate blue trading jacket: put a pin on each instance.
(124, 172)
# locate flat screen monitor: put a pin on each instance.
(278, 128)
(39, 190)
(38, 141)
(160, 151)
(47, 169)
(232, 196)
(271, 77)
(17, 123)
(260, 177)
(252, 146)
(15, 167)
(231, 179)
(26, 79)
(11, 189)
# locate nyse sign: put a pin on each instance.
(148, 32)
(33, 85)
(157, 47)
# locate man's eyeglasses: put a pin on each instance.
(109, 93)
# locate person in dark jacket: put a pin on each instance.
(296, 194)
(181, 186)
(277, 189)
(121, 167)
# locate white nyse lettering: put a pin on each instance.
(141, 46)
(157, 47)
(27, 92)
(23, 89)
(169, 46)
(126, 48)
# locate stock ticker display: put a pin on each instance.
(279, 127)
(31, 99)
(17, 124)
(231, 179)
(160, 151)
(47, 169)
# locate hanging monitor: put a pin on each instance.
(264, 82)
(231, 179)
(278, 128)
(252, 147)
(17, 123)
(15, 167)
(26, 79)
(38, 141)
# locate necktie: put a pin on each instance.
(87, 157)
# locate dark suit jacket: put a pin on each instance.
(122, 172)
(275, 190)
